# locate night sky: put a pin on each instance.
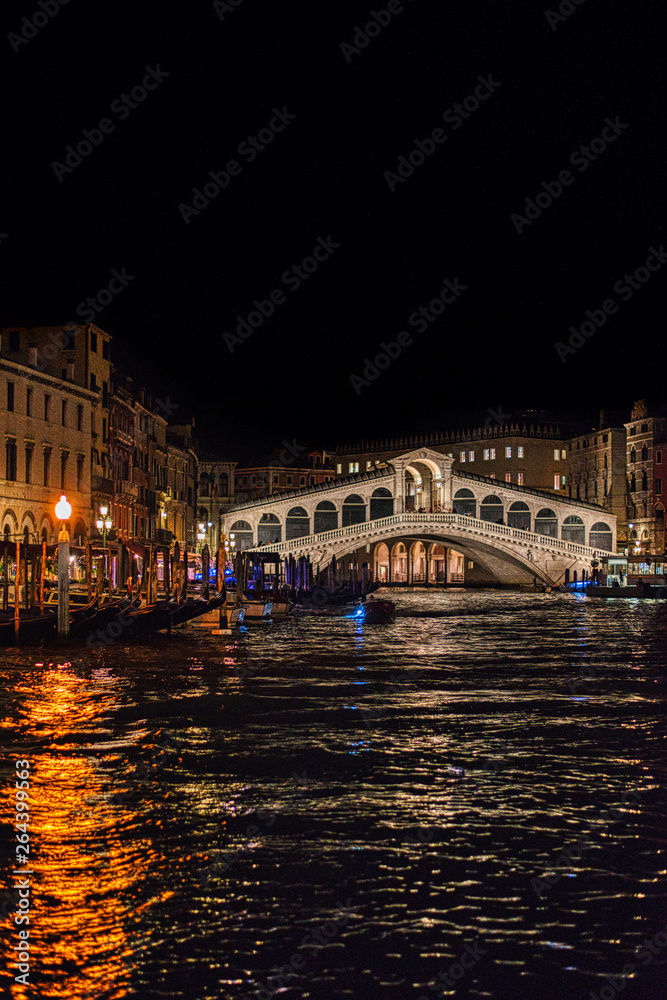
(343, 112)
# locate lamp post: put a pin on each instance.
(63, 513)
(104, 524)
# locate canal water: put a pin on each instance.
(468, 802)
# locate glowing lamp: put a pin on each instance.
(100, 524)
(63, 509)
(104, 511)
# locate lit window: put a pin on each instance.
(471, 456)
(519, 451)
(508, 451)
(462, 456)
(487, 454)
(353, 467)
(339, 468)
(508, 477)
(492, 475)
(556, 482)
(563, 454)
(369, 464)
(519, 478)
(556, 454)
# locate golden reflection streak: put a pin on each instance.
(78, 937)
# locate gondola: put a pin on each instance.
(375, 612)
(35, 627)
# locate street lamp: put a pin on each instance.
(63, 513)
(104, 524)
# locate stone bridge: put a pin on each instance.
(417, 508)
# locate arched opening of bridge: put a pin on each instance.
(491, 509)
(399, 563)
(325, 517)
(417, 563)
(382, 504)
(465, 503)
(382, 563)
(437, 564)
(297, 524)
(269, 530)
(354, 510)
(242, 532)
(518, 516)
(546, 523)
(573, 530)
(423, 486)
(600, 536)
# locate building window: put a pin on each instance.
(28, 402)
(462, 456)
(104, 430)
(289, 480)
(632, 431)
(369, 464)
(64, 412)
(492, 475)
(339, 468)
(658, 458)
(47, 467)
(93, 341)
(302, 481)
(489, 454)
(105, 350)
(556, 482)
(658, 487)
(353, 467)
(563, 453)
(556, 454)
(79, 472)
(519, 451)
(28, 464)
(10, 396)
(63, 470)
(519, 478)
(644, 482)
(508, 477)
(10, 461)
(508, 451)
(79, 417)
(93, 382)
(471, 456)
(276, 480)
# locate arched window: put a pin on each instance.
(297, 524)
(644, 453)
(224, 484)
(518, 516)
(573, 530)
(491, 509)
(644, 481)
(633, 483)
(354, 510)
(326, 517)
(382, 504)
(243, 538)
(546, 523)
(600, 536)
(465, 503)
(269, 529)
(633, 455)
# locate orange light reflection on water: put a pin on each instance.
(86, 855)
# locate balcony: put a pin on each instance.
(105, 487)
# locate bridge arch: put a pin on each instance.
(243, 537)
(382, 562)
(354, 510)
(325, 517)
(546, 522)
(382, 504)
(491, 509)
(600, 536)
(465, 502)
(269, 529)
(399, 563)
(297, 523)
(518, 515)
(573, 530)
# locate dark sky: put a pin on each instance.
(552, 88)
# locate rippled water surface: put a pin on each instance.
(279, 814)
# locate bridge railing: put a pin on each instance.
(459, 520)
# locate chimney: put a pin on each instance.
(603, 419)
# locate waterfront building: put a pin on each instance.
(646, 455)
(279, 475)
(182, 483)
(596, 469)
(526, 454)
(45, 427)
(215, 495)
